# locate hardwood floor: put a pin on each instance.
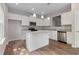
(54, 48)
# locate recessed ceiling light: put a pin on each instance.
(48, 18)
(17, 3)
(42, 16)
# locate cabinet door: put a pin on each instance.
(69, 37)
(25, 21)
(46, 22)
(39, 22)
(66, 18)
(32, 19)
(14, 16)
(53, 35)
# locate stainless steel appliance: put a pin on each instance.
(32, 23)
(62, 36)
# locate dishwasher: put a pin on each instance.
(62, 36)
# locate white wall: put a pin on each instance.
(14, 29)
(1, 23)
(5, 10)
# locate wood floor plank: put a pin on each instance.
(54, 48)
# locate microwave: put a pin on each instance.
(32, 23)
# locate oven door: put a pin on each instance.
(62, 36)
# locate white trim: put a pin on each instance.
(2, 41)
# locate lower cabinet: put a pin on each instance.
(69, 37)
(53, 35)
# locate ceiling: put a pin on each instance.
(39, 8)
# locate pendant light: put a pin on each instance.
(34, 14)
(42, 16)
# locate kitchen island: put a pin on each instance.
(36, 39)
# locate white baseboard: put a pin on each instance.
(16, 39)
(74, 46)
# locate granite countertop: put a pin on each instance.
(58, 29)
(54, 29)
(69, 30)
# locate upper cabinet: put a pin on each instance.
(46, 22)
(26, 20)
(39, 22)
(66, 18)
(13, 16)
(43, 22)
(32, 19)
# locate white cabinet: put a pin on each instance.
(66, 18)
(53, 35)
(14, 16)
(25, 21)
(39, 22)
(69, 37)
(46, 22)
(32, 19)
(11, 16)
